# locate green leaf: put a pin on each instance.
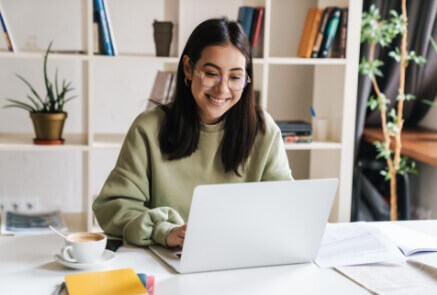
(434, 45)
(20, 104)
(396, 55)
(30, 86)
(407, 166)
(382, 152)
(372, 103)
(429, 102)
(37, 106)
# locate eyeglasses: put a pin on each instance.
(235, 82)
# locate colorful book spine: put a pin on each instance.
(9, 41)
(297, 138)
(343, 32)
(309, 32)
(105, 29)
(245, 17)
(256, 26)
(331, 30)
(110, 28)
(321, 32)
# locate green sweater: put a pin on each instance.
(145, 196)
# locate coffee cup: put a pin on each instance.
(85, 247)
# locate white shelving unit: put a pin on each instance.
(288, 85)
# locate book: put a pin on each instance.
(343, 33)
(104, 26)
(110, 28)
(7, 32)
(309, 32)
(245, 17)
(385, 242)
(330, 32)
(409, 241)
(294, 126)
(321, 31)
(171, 88)
(18, 222)
(256, 25)
(297, 138)
(161, 88)
(98, 43)
(112, 282)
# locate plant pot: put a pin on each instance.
(48, 127)
(162, 34)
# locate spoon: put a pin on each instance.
(58, 232)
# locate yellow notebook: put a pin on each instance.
(112, 282)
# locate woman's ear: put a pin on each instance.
(188, 68)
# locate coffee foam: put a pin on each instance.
(85, 237)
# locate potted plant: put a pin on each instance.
(382, 32)
(47, 114)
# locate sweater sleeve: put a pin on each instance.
(121, 208)
(276, 166)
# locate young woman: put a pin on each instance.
(212, 133)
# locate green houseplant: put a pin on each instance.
(47, 113)
(375, 31)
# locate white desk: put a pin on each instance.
(27, 267)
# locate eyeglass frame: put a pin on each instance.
(219, 79)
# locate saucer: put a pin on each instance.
(107, 257)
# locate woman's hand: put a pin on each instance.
(176, 237)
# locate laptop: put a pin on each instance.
(243, 225)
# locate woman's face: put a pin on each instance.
(213, 101)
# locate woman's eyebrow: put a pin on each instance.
(218, 68)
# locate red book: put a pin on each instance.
(257, 22)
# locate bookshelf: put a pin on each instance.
(113, 90)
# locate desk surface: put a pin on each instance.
(420, 145)
(27, 267)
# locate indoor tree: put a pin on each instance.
(376, 31)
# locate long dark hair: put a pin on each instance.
(179, 134)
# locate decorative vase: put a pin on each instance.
(48, 127)
(162, 34)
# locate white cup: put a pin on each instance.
(320, 129)
(86, 247)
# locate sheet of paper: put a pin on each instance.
(408, 240)
(356, 243)
(405, 279)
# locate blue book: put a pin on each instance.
(245, 17)
(105, 29)
(331, 30)
(9, 41)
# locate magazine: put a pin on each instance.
(18, 222)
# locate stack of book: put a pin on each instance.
(251, 19)
(103, 31)
(295, 131)
(324, 33)
(163, 89)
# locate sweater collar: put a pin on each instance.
(214, 127)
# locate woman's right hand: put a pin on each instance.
(176, 237)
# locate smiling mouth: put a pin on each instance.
(217, 101)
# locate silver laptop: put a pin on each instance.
(253, 224)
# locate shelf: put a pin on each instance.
(313, 146)
(40, 55)
(171, 59)
(418, 144)
(305, 61)
(23, 142)
(136, 57)
(108, 141)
